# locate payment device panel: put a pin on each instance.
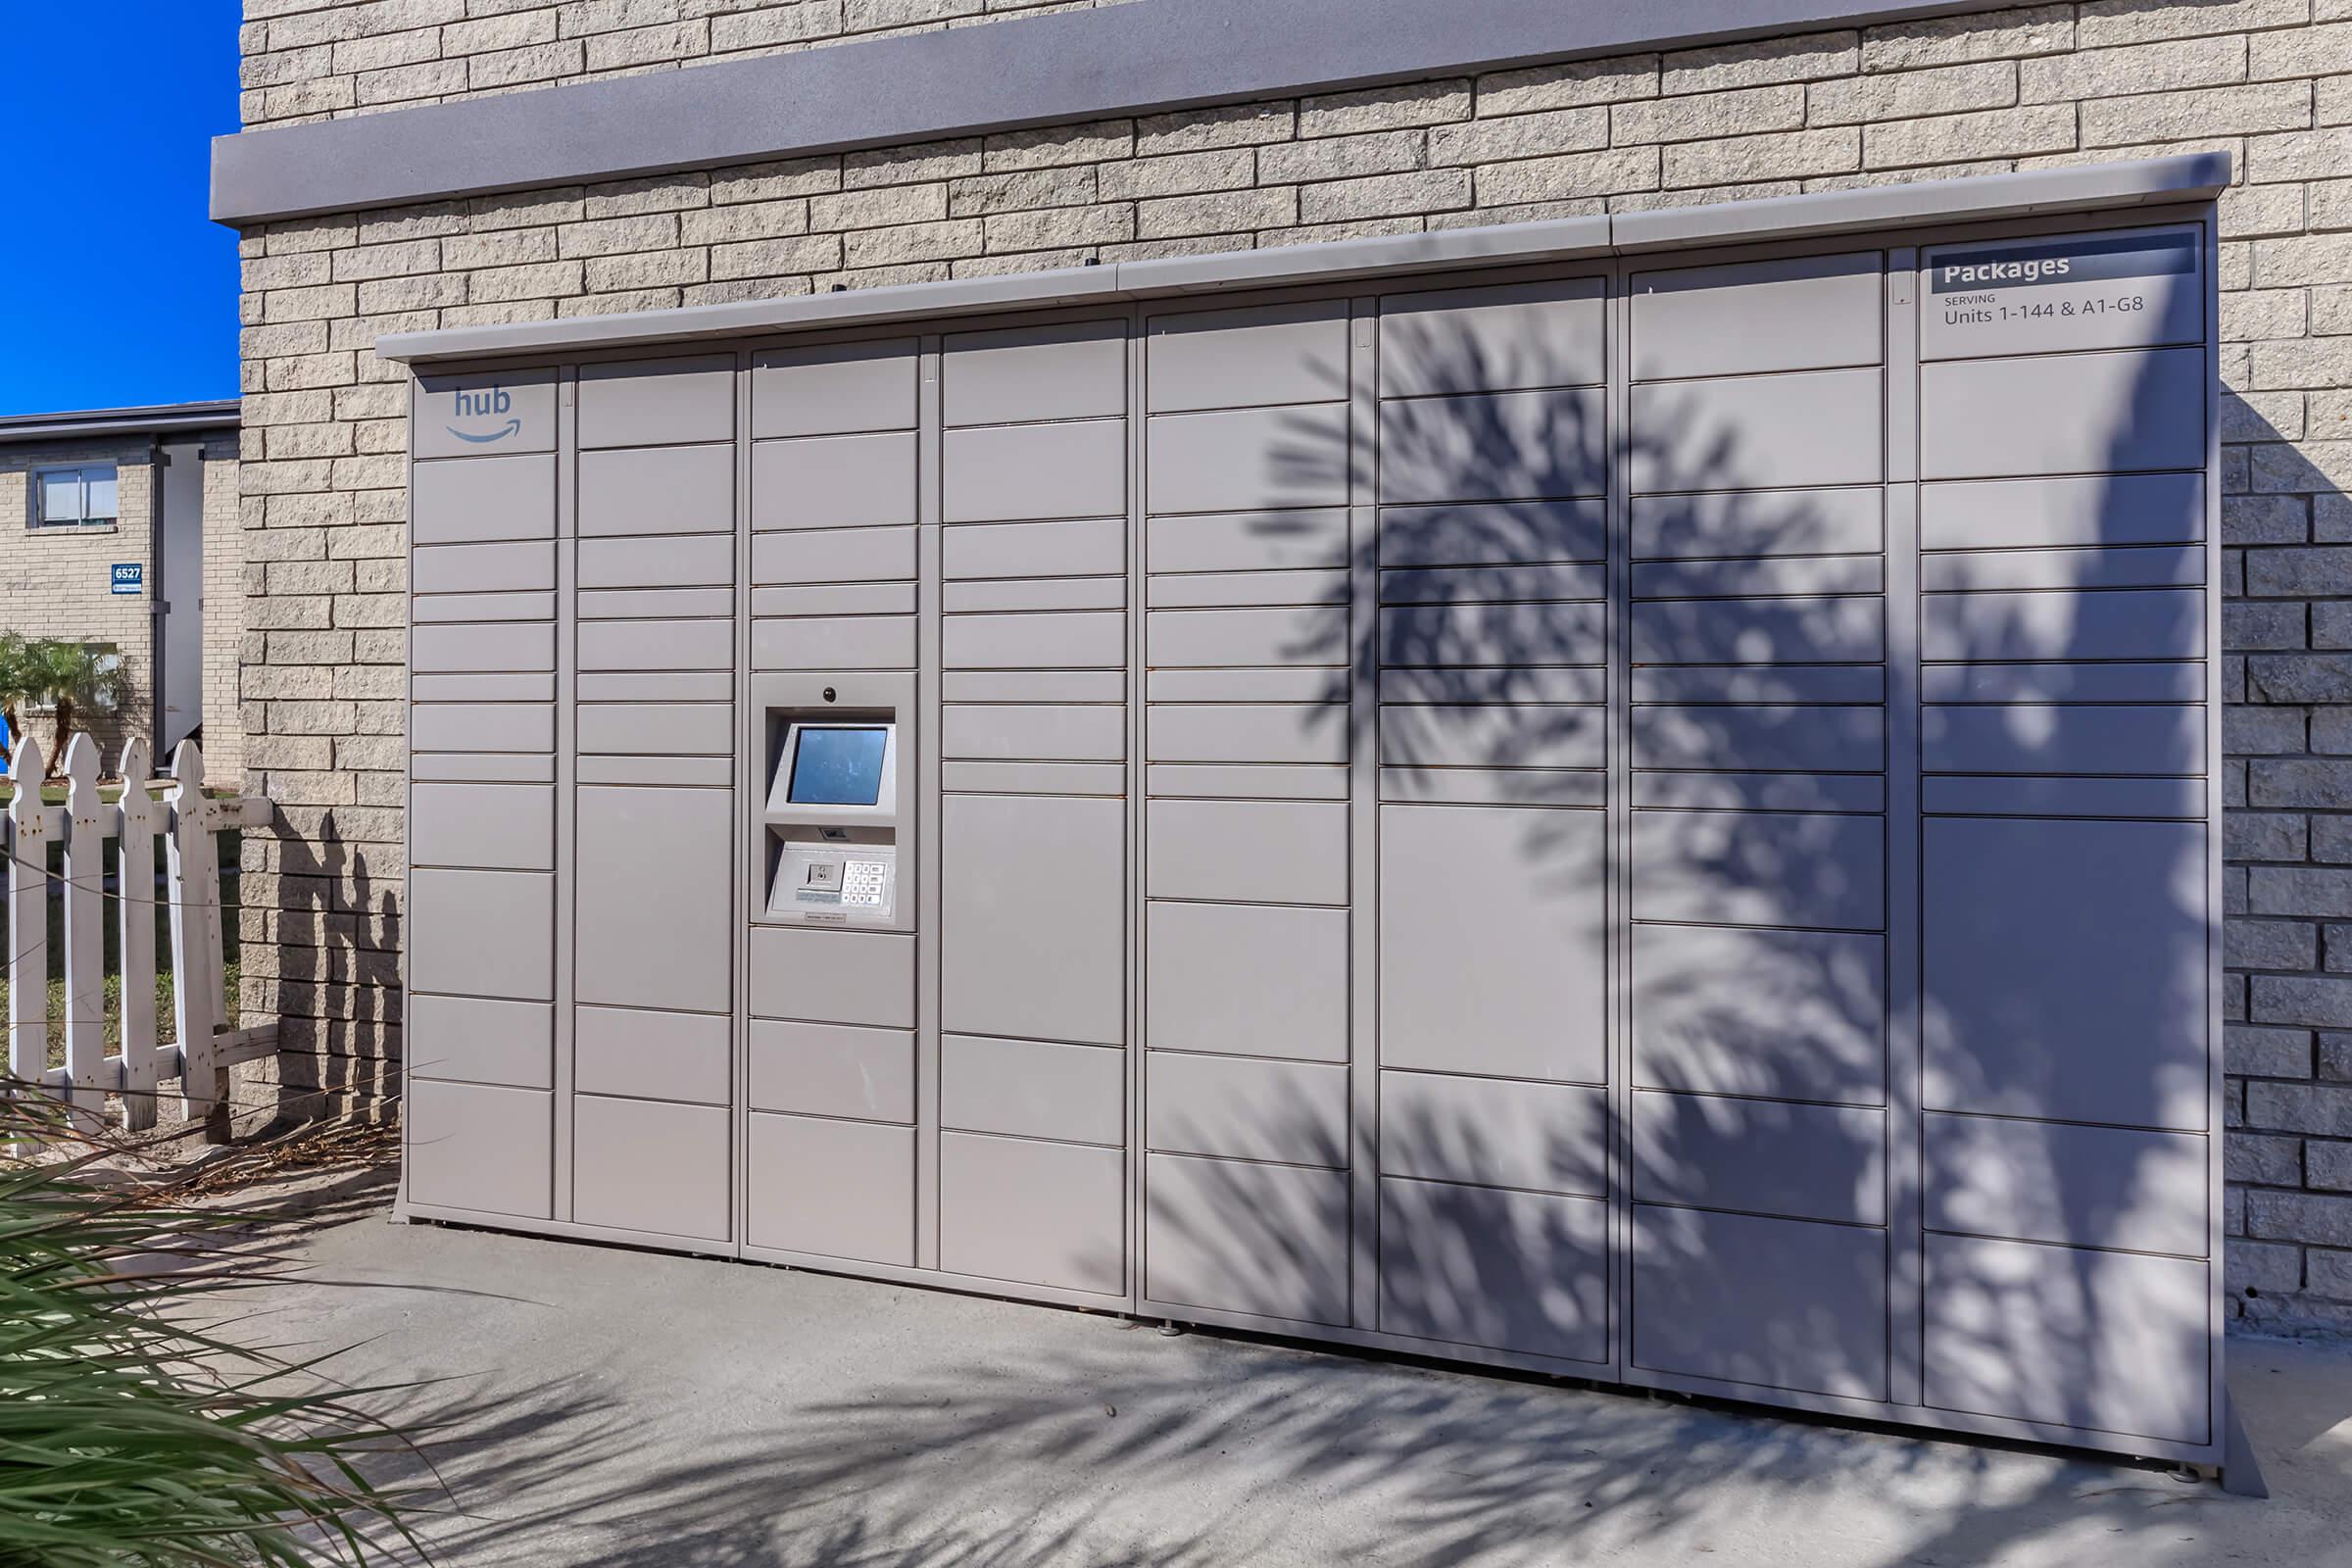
(838, 808)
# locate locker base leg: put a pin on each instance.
(2242, 1471)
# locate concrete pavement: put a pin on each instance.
(630, 1410)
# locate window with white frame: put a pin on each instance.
(77, 497)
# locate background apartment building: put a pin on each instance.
(119, 530)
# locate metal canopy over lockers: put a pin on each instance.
(1650, 818)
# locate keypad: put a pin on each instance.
(865, 883)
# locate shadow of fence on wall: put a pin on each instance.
(337, 940)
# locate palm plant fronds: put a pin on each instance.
(19, 686)
(132, 1433)
(74, 680)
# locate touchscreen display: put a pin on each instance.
(838, 764)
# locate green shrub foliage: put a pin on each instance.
(135, 1427)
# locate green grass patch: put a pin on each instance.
(165, 1030)
(111, 924)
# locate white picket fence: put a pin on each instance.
(185, 821)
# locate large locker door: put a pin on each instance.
(1489, 648)
(1246, 1082)
(653, 811)
(1757, 638)
(2064, 439)
(483, 879)
(1033, 825)
(830, 1143)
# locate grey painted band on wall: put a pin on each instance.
(2089, 187)
(1142, 57)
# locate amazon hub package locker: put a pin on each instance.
(1648, 815)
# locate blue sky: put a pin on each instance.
(114, 287)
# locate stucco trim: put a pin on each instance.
(2089, 187)
(1139, 58)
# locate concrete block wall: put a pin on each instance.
(58, 582)
(224, 591)
(2270, 80)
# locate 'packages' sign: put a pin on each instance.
(2064, 292)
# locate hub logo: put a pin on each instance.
(484, 403)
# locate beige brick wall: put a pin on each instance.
(2266, 79)
(58, 582)
(325, 59)
(224, 591)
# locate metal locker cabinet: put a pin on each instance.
(832, 1189)
(841, 481)
(1266, 1241)
(658, 860)
(1032, 1161)
(1646, 811)
(643, 494)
